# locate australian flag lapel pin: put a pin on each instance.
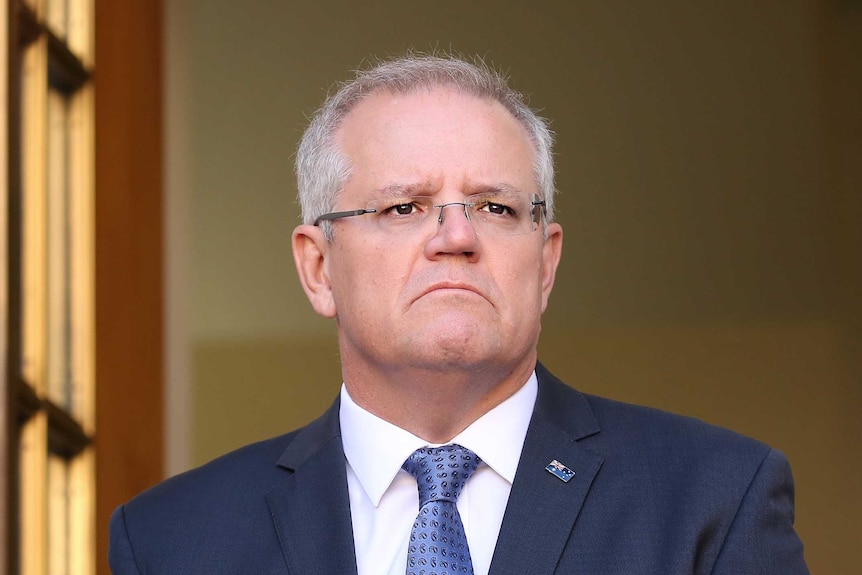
(560, 471)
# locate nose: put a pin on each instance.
(454, 234)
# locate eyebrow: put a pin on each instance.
(492, 189)
(401, 190)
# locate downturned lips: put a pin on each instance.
(448, 285)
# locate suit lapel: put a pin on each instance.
(310, 507)
(542, 509)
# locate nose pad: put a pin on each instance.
(444, 206)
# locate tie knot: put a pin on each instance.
(441, 472)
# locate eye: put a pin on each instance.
(403, 209)
(495, 208)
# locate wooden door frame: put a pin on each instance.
(128, 277)
(129, 259)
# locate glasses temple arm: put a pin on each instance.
(338, 215)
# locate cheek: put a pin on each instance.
(521, 273)
(369, 278)
(525, 289)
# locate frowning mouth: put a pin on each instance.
(451, 286)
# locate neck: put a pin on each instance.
(435, 405)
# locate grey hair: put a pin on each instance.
(322, 168)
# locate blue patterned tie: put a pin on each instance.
(438, 544)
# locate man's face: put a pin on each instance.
(439, 296)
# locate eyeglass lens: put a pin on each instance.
(493, 213)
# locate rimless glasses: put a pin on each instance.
(497, 213)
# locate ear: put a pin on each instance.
(551, 252)
(310, 253)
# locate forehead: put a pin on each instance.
(432, 134)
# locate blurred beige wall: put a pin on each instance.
(709, 161)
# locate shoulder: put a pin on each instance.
(235, 477)
(683, 455)
(651, 428)
(674, 490)
(241, 475)
(675, 483)
(192, 517)
(652, 442)
(217, 517)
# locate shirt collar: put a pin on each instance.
(497, 438)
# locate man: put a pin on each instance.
(427, 193)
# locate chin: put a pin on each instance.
(459, 350)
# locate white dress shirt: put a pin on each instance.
(384, 499)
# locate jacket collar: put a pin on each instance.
(542, 508)
(311, 508)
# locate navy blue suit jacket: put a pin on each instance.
(653, 493)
